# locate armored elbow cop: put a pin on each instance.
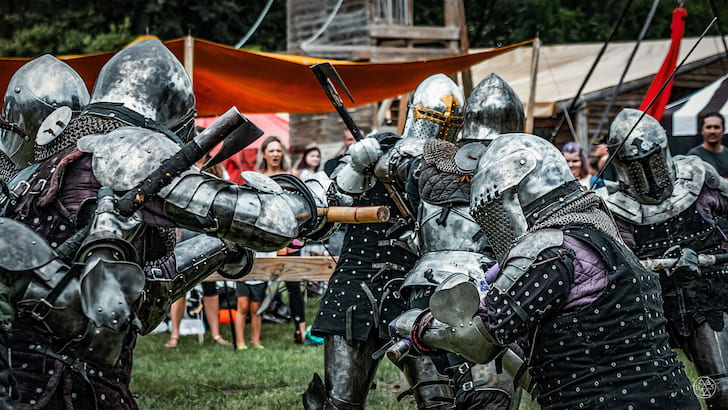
(265, 214)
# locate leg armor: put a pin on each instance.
(350, 371)
(430, 388)
(708, 349)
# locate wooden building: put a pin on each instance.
(366, 31)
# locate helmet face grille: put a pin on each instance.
(435, 124)
(650, 177)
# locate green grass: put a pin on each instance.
(210, 376)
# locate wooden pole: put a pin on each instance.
(355, 214)
(466, 75)
(532, 93)
(189, 56)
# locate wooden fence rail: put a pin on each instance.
(290, 268)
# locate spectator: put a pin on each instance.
(578, 163)
(250, 294)
(330, 165)
(211, 306)
(600, 155)
(308, 167)
(272, 160)
(712, 151)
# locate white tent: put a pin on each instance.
(562, 68)
(681, 117)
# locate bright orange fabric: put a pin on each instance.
(266, 82)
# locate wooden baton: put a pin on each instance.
(355, 214)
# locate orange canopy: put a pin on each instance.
(265, 82)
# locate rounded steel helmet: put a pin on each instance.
(436, 110)
(34, 91)
(150, 81)
(643, 162)
(493, 108)
(518, 177)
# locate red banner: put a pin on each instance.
(668, 66)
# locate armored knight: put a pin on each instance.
(566, 290)
(363, 295)
(95, 276)
(450, 241)
(38, 88)
(666, 207)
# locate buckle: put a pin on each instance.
(467, 386)
(38, 187)
(25, 189)
(463, 368)
(41, 309)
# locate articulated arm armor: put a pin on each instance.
(196, 259)
(394, 166)
(384, 157)
(264, 215)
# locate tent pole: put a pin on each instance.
(607, 110)
(189, 55)
(535, 52)
(466, 75)
(612, 32)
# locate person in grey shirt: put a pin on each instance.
(712, 151)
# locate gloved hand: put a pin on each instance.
(239, 262)
(405, 331)
(685, 270)
(364, 154)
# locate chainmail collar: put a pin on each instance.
(441, 154)
(7, 168)
(85, 124)
(585, 209)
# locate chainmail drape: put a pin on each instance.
(85, 124)
(587, 209)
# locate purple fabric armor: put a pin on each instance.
(711, 202)
(548, 287)
(79, 184)
(590, 275)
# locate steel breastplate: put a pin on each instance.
(432, 268)
(449, 228)
(579, 354)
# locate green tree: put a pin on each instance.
(31, 28)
